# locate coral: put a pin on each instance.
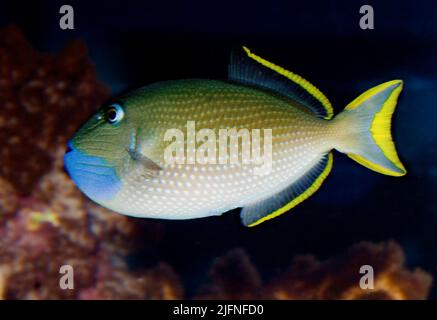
(45, 222)
(156, 284)
(44, 99)
(8, 199)
(338, 278)
(235, 277)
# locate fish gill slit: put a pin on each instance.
(131, 150)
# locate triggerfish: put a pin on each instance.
(126, 156)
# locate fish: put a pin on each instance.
(129, 156)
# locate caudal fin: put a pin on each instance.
(365, 127)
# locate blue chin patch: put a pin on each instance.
(94, 176)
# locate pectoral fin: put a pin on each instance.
(146, 167)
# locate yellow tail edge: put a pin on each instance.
(380, 127)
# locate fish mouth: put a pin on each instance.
(70, 147)
(93, 175)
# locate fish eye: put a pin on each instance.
(114, 113)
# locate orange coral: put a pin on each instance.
(235, 277)
(339, 277)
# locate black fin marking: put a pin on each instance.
(250, 69)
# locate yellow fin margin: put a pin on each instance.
(381, 128)
(302, 197)
(311, 89)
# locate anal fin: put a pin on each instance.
(290, 197)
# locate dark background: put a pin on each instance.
(134, 43)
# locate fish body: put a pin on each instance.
(123, 163)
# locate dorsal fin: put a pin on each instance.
(290, 197)
(247, 68)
